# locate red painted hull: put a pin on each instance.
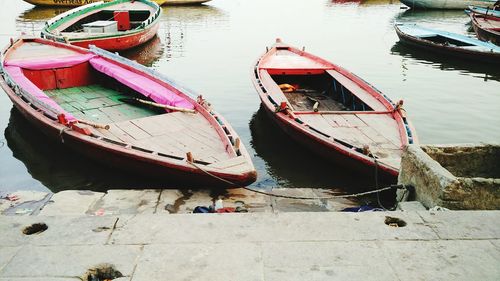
(120, 43)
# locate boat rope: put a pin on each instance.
(378, 190)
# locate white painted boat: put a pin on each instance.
(445, 4)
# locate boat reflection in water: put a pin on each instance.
(448, 20)
(411, 55)
(363, 2)
(59, 168)
(146, 54)
(33, 20)
(177, 20)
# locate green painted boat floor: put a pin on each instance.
(98, 104)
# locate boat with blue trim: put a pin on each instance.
(447, 43)
(483, 11)
(445, 4)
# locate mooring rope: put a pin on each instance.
(300, 197)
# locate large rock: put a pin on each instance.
(453, 176)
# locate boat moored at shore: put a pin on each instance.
(331, 111)
(123, 114)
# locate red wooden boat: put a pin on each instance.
(487, 27)
(113, 26)
(92, 101)
(331, 111)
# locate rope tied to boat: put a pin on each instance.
(378, 190)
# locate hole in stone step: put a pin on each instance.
(394, 222)
(101, 272)
(35, 228)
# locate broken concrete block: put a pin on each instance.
(453, 176)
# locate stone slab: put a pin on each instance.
(463, 224)
(7, 254)
(170, 201)
(63, 230)
(251, 201)
(411, 206)
(266, 227)
(29, 202)
(443, 260)
(117, 202)
(71, 202)
(325, 260)
(281, 204)
(227, 261)
(69, 261)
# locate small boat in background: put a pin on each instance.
(74, 3)
(447, 43)
(482, 11)
(487, 27)
(113, 26)
(123, 114)
(331, 111)
(445, 4)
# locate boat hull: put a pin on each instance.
(488, 57)
(114, 158)
(331, 153)
(444, 4)
(73, 3)
(120, 43)
(484, 33)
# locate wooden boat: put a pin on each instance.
(113, 26)
(331, 111)
(487, 27)
(447, 43)
(445, 4)
(81, 98)
(74, 3)
(482, 11)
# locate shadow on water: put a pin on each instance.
(59, 168)
(292, 165)
(438, 61)
(32, 20)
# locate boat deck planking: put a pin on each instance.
(36, 51)
(174, 133)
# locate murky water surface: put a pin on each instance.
(212, 48)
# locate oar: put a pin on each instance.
(159, 105)
(95, 125)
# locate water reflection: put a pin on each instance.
(146, 54)
(449, 20)
(32, 21)
(178, 20)
(59, 168)
(291, 165)
(411, 55)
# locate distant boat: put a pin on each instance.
(445, 4)
(113, 26)
(486, 27)
(331, 111)
(447, 43)
(123, 114)
(74, 3)
(483, 11)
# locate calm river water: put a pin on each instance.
(212, 48)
